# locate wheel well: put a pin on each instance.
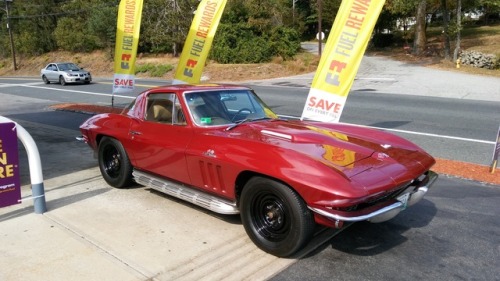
(245, 176)
(98, 139)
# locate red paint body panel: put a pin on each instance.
(328, 165)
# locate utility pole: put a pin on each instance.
(320, 39)
(12, 49)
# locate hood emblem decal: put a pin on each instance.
(210, 153)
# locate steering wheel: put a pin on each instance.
(239, 112)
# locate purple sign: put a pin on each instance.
(10, 183)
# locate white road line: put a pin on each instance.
(81, 92)
(413, 133)
(436, 135)
(376, 78)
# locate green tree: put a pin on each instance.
(86, 25)
(32, 23)
(253, 32)
(165, 25)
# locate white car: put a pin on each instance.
(65, 72)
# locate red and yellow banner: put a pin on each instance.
(199, 41)
(340, 61)
(127, 40)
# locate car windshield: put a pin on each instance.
(68, 66)
(226, 107)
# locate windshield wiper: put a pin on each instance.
(245, 121)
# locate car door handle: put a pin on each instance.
(135, 133)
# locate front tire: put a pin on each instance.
(275, 218)
(62, 81)
(114, 163)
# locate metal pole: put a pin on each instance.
(12, 49)
(35, 165)
(319, 27)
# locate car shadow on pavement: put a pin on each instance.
(371, 239)
(390, 124)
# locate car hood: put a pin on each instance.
(350, 149)
(75, 71)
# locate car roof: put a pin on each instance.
(198, 87)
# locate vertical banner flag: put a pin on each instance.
(199, 41)
(340, 61)
(127, 39)
(10, 180)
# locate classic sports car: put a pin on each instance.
(64, 72)
(222, 148)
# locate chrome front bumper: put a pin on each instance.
(411, 196)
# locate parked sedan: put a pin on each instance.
(64, 72)
(222, 148)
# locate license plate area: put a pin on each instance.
(403, 198)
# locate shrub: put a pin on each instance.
(285, 42)
(154, 70)
(383, 40)
(239, 43)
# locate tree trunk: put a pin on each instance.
(420, 37)
(446, 35)
(459, 29)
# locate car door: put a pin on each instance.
(51, 72)
(159, 140)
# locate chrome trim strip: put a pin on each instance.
(276, 134)
(186, 193)
(379, 212)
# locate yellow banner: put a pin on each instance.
(340, 61)
(199, 41)
(127, 39)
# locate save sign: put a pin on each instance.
(340, 61)
(10, 183)
(127, 39)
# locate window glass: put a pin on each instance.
(164, 108)
(225, 107)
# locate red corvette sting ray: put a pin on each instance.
(220, 147)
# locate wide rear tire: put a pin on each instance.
(275, 217)
(114, 163)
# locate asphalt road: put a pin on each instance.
(449, 128)
(451, 235)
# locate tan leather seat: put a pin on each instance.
(160, 111)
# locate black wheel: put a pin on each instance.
(275, 217)
(45, 80)
(62, 81)
(114, 163)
